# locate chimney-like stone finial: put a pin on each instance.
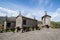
(19, 13)
(34, 17)
(45, 12)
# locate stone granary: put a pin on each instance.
(9, 23)
(25, 23)
(21, 22)
(46, 19)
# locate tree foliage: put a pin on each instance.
(55, 24)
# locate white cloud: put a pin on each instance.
(39, 13)
(35, 13)
(7, 11)
(31, 13)
(2, 14)
(55, 15)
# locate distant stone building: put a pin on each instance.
(46, 19)
(25, 23)
(9, 23)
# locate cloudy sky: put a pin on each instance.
(31, 8)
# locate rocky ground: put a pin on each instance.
(43, 34)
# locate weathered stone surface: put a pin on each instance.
(43, 34)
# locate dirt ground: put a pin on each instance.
(43, 34)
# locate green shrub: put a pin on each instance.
(34, 28)
(30, 28)
(1, 30)
(9, 30)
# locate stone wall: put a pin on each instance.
(30, 23)
(19, 22)
(46, 21)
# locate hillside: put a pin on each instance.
(53, 24)
(2, 19)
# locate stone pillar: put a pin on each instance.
(5, 25)
(19, 21)
(46, 20)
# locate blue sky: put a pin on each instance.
(31, 8)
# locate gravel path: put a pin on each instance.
(43, 34)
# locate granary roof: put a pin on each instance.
(46, 15)
(24, 16)
(28, 18)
